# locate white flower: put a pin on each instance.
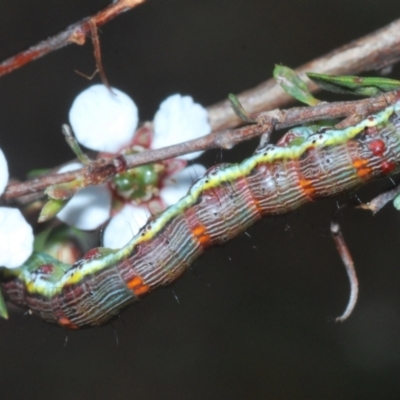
(178, 120)
(94, 116)
(177, 185)
(16, 238)
(16, 235)
(3, 172)
(103, 120)
(89, 208)
(124, 225)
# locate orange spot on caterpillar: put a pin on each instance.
(65, 322)
(136, 281)
(259, 207)
(360, 163)
(204, 240)
(199, 230)
(307, 187)
(362, 170)
(200, 233)
(137, 286)
(141, 290)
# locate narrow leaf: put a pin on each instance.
(3, 307)
(74, 145)
(354, 84)
(294, 85)
(64, 191)
(239, 109)
(51, 209)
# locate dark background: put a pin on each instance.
(259, 323)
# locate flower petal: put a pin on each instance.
(102, 120)
(124, 225)
(16, 238)
(178, 120)
(177, 185)
(87, 209)
(3, 172)
(72, 166)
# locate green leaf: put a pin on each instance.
(293, 85)
(3, 307)
(74, 145)
(50, 209)
(354, 84)
(239, 109)
(64, 191)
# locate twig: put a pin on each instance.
(103, 170)
(75, 33)
(348, 262)
(372, 52)
(97, 54)
(378, 202)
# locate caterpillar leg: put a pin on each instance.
(348, 262)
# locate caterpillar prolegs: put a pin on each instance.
(228, 199)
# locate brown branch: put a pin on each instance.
(75, 33)
(378, 202)
(97, 54)
(103, 170)
(372, 52)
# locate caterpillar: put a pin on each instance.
(303, 166)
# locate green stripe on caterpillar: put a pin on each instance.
(301, 167)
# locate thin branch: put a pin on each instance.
(378, 202)
(371, 52)
(103, 170)
(97, 54)
(375, 51)
(75, 33)
(348, 262)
